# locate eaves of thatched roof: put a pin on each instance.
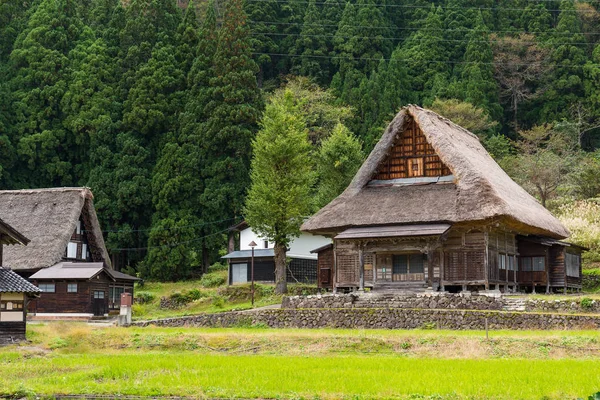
(480, 190)
(9, 235)
(48, 217)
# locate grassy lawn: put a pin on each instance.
(203, 297)
(268, 376)
(70, 358)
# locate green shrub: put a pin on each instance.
(213, 279)
(187, 297)
(218, 267)
(195, 294)
(218, 301)
(586, 303)
(144, 297)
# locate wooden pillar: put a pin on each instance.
(374, 267)
(429, 267)
(486, 261)
(1, 246)
(361, 268)
(442, 288)
(547, 266)
(565, 267)
(335, 270)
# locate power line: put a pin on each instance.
(166, 229)
(423, 61)
(406, 28)
(404, 38)
(169, 245)
(412, 6)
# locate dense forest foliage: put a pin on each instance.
(155, 104)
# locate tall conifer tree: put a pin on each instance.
(40, 59)
(233, 112)
(566, 83)
(426, 56)
(312, 47)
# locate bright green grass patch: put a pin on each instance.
(362, 377)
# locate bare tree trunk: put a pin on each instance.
(205, 260)
(280, 267)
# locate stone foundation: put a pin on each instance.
(438, 300)
(433, 300)
(384, 318)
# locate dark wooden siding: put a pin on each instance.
(411, 156)
(556, 266)
(62, 302)
(325, 268)
(464, 257)
(299, 270)
(530, 249)
(12, 331)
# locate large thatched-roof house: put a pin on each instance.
(66, 243)
(431, 207)
(15, 291)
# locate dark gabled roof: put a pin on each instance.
(248, 253)
(70, 270)
(79, 270)
(9, 235)
(369, 232)
(10, 282)
(121, 275)
(480, 191)
(48, 217)
(320, 249)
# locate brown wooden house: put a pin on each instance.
(430, 208)
(15, 292)
(66, 257)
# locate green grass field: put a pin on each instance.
(262, 376)
(67, 358)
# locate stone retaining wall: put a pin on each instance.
(383, 318)
(460, 301)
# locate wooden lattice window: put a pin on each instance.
(411, 156)
(347, 268)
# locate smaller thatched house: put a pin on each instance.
(431, 208)
(66, 243)
(15, 291)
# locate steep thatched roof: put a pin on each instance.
(49, 217)
(480, 191)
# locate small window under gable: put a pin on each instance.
(411, 156)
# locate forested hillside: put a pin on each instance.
(154, 104)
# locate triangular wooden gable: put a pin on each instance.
(411, 156)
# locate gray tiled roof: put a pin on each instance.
(11, 282)
(248, 253)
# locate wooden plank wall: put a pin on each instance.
(12, 330)
(411, 156)
(556, 265)
(325, 267)
(62, 302)
(464, 257)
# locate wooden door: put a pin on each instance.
(384, 268)
(415, 167)
(99, 303)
